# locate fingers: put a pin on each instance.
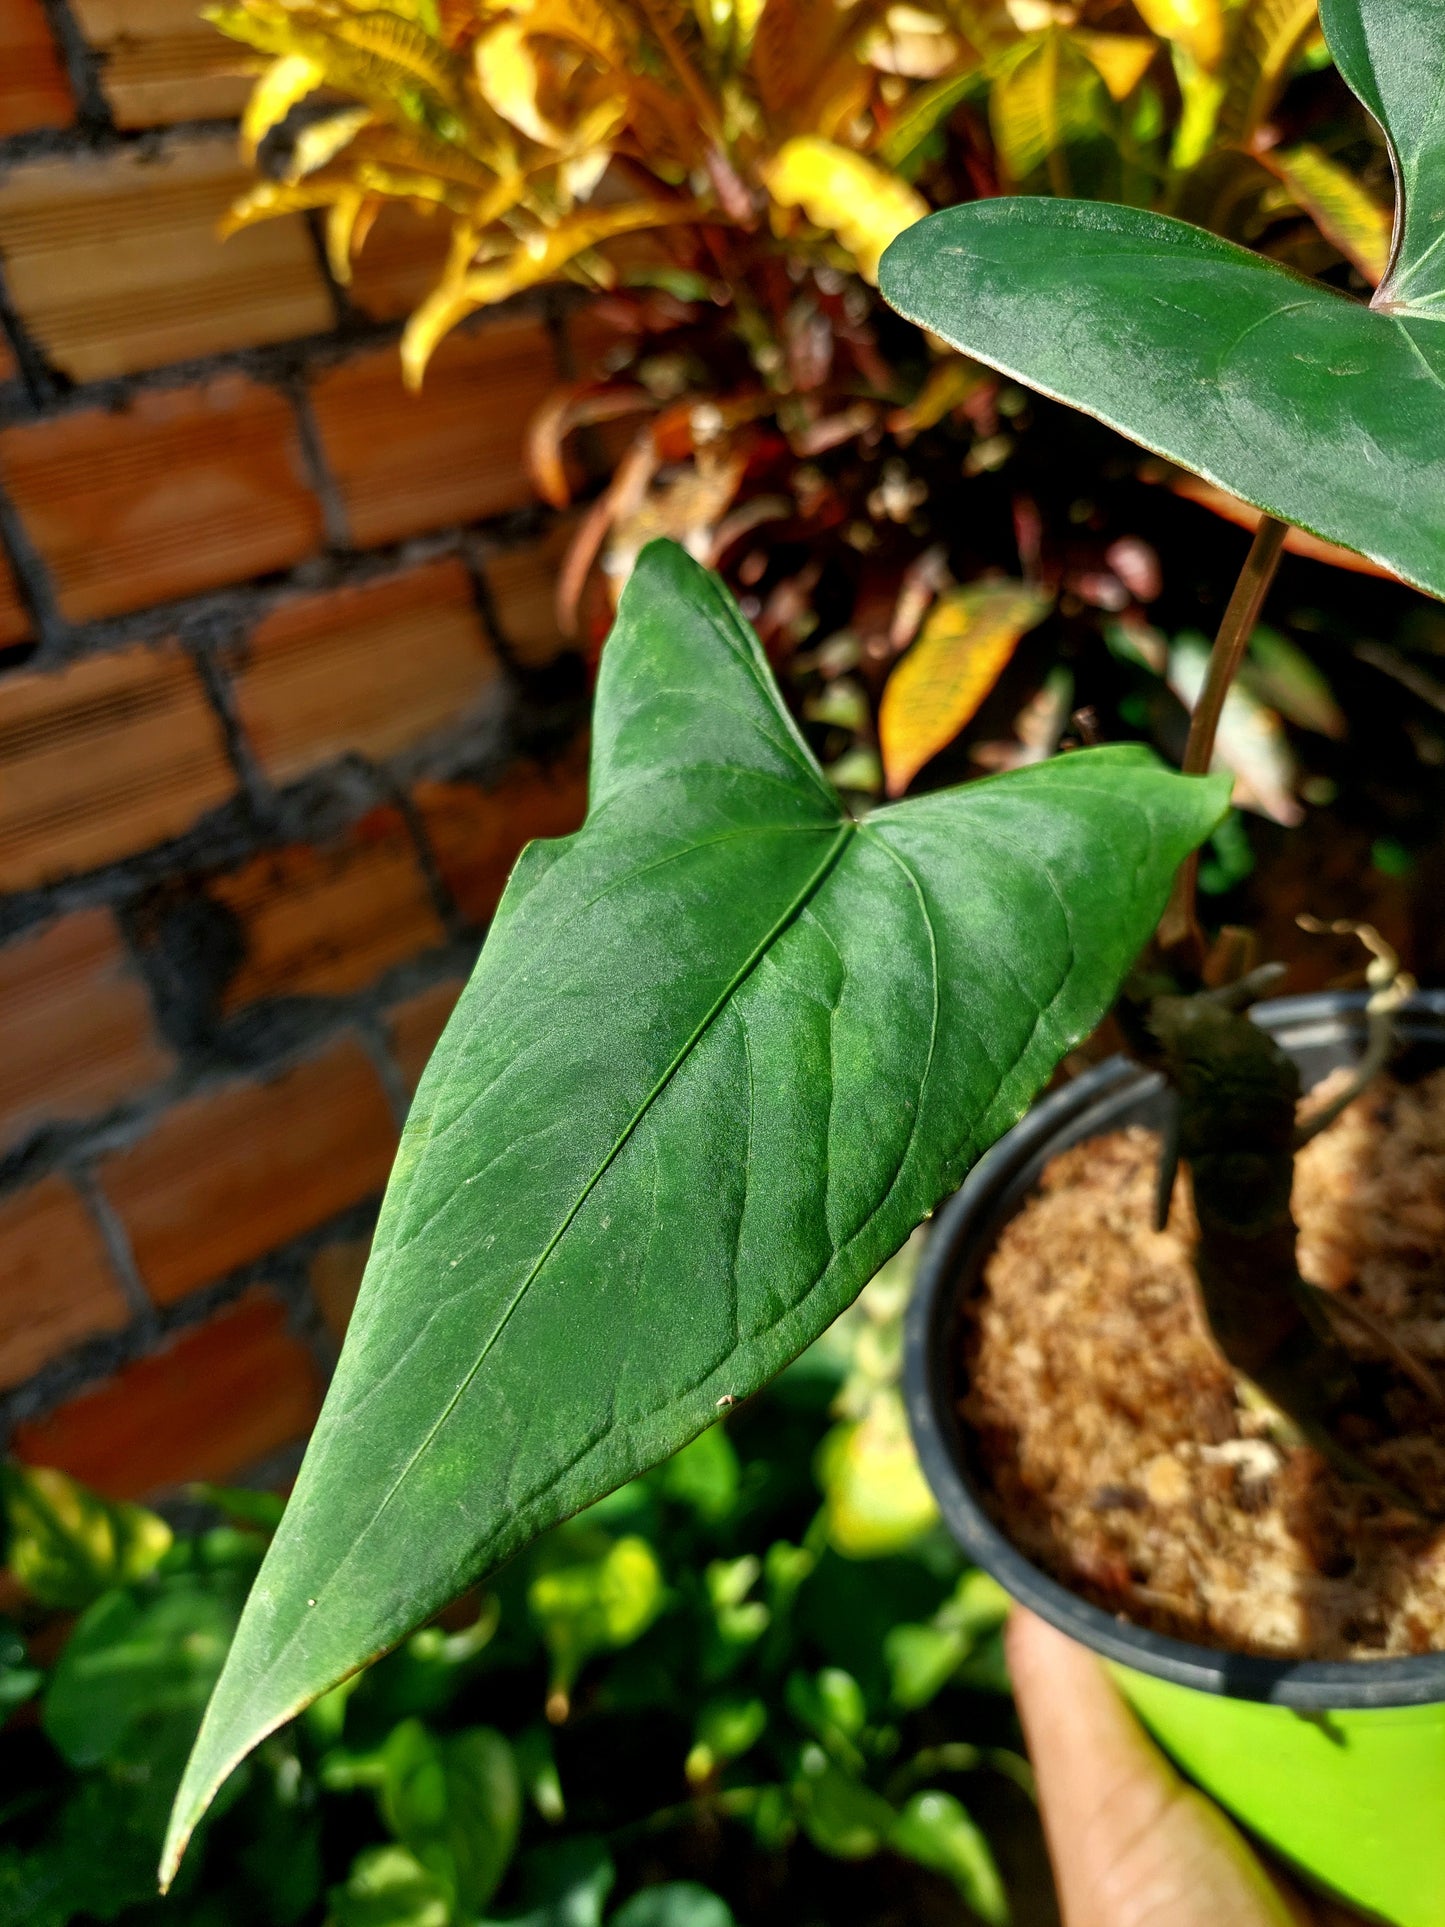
(1132, 1845)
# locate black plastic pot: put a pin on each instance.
(1338, 1765)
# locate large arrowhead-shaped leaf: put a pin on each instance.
(724, 1048)
(1309, 404)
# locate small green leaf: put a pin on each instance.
(389, 1887)
(704, 1476)
(727, 1728)
(936, 1831)
(678, 1903)
(724, 1048)
(876, 1499)
(1308, 404)
(600, 1597)
(67, 1545)
(130, 1686)
(840, 1815)
(456, 1803)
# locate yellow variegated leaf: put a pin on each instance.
(1339, 207)
(863, 204)
(1264, 39)
(1120, 59)
(404, 44)
(960, 654)
(541, 257)
(285, 81)
(608, 32)
(1047, 95)
(926, 110)
(507, 74)
(323, 140)
(267, 199)
(1195, 25)
(348, 220)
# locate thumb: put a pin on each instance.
(1131, 1843)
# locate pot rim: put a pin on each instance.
(971, 1219)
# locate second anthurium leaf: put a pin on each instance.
(724, 1048)
(1303, 401)
(963, 649)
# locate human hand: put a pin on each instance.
(1132, 1844)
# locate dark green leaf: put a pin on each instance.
(456, 1802)
(1309, 404)
(19, 1680)
(129, 1689)
(703, 1475)
(679, 1903)
(723, 1050)
(838, 1813)
(565, 1885)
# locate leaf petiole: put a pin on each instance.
(1179, 927)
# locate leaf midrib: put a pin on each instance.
(804, 896)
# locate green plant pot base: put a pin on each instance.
(1353, 1801)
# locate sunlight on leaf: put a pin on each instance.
(287, 81)
(1339, 206)
(839, 190)
(935, 1830)
(1122, 59)
(68, 1545)
(1196, 25)
(965, 644)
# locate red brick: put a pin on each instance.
(114, 262)
(33, 90)
(325, 921)
(336, 1279)
(161, 62)
(104, 757)
(477, 835)
(453, 453)
(58, 1286)
(372, 670)
(225, 1177)
(418, 1023)
(401, 262)
(213, 1403)
(75, 1025)
(523, 583)
(186, 489)
(14, 618)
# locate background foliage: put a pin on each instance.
(719, 179)
(756, 1685)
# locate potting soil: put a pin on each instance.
(1125, 1458)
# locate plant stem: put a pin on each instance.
(1179, 927)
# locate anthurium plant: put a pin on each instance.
(1321, 410)
(725, 1047)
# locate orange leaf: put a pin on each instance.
(959, 656)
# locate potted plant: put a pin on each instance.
(731, 1042)
(1320, 411)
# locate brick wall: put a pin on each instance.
(280, 701)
